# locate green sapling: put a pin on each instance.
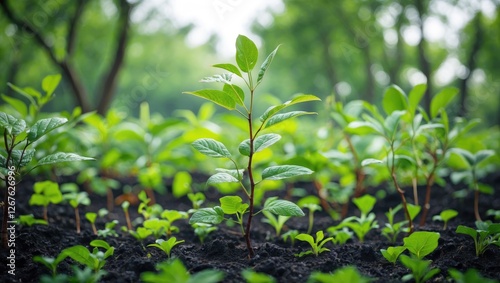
(167, 245)
(445, 216)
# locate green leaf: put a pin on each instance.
(230, 204)
(260, 143)
(208, 215)
(392, 121)
(29, 93)
(221, 178)
(284, 171)
(236, 92)
(80, 254)
(365, 203)
(224, 78)
(50, 83)
(442, 99)
(271, 111)
(211, 147)
(229, 67)
(282, 207)
(27, 157)
(246, 53)
(370, 161)
(421, 243)
(278, 118)
(100, 244)
(12, 125)
(181, 184)
(448, 214)
(266, 64)
(218, 97)
(44, 126)
(392, 253)
(62, 157)
(306, 238)
(414, 97)
(17, 104)
(482, 155)
(394, 99)
(363, 128)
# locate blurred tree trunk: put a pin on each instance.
(109, 81)
(422, 55)
(66, 64)
(471, 64)
(328, 59)
(397, 54)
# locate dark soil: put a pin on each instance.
(225, 249)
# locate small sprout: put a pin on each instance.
(494, 213)
(470, 276)
(276, 222)
(141, 234)
(91, 217)
(157, 226)
(202, 230)
(420, 269)
(171, 216)
(339, 234)
(291, 234)
(445, 216)
(312, 204)
(196, 200)
(109, 229)
(392, 253)
(50, 263)
(362, 225)
(421, 243)
(75, 199)
(316, 245)
(30, 220)
(175, 271)
(486, 234)
(125, 206)
(166, 246)
(251, 276)
(343, 274)
(45, 193)
(94, 260)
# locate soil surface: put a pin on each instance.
(225, 248)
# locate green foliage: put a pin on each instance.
(291, 234)
(470, 276)
(232, 97)
(251, 276)
(340, 234)
(30, 220)
(366, 222)
(485, 234)
(202, 230)
(312, 204)
(96, 259)
(421, 243)
(175, 271)
(316, 245)
(343, 274)
(276, 222)
(45, 193)
(166, 246)
(420, 269)
(392, 253)
(109, 229)
(445, 216)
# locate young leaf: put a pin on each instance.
(236, 92)
(260, 143)
(246, 53)
(208, 215)
(284, 171)
(80, 254)
(229, 67)
(27, 157)
(365, 203)
(271, 111)
(442, 99)
(219, 97)
(230, 204)
(394, 99)
(211, 148)
(370, 161)
(221, 178)
(392, 253)
(43, 126)
(17, 104)
(224, 78)
(421, 243)
(282, 207)
(266, 64)
(50, 83)
(12, 125)
(61, 157)
(278, 118)
(415, 96)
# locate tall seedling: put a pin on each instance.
(232, 97)
(20, 141)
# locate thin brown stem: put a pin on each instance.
(476, 204)
(427, 203)
(251, 252)
(77, 219)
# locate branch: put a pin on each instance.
(72, 27)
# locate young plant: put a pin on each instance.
(91, 217)
(445, 216)
(141, 234)
(316, 245)
(392, 229)
(420, 269)
(251, 276)
(109, 229)
(312, 204)
(50, 263)
(291, 234)
(166, 246)
(343, 274)
(494, 213)
(157, 226)
(75, 199)
(125, 206)
(202, 230)
(45, 193)
(196, 200)
(486, 234)
(232, 97)
(392, 253)
(30, 220)
(146, 208)
(340, 234)
(171, 216)
(96, 259)
(175, 271)
(362, 225)
(472, 173)
(276, 222)
(470, 276)
(19, 141)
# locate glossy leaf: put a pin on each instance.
(208, 215)
(211, 148)
(17, 104)
(278, 118)
(282, 207)
(394, 99)
(265, 65)
(229, 67)
(26, 157)
(218, 97)
(271, 111)
(246, 53)
(415, 96)
(421, 243)
(370, 161)
(221, 178)
(230, 204)
(62, 157)
(260, 143)
(223, 78)
(50, 83)
(392, 253)
(442, 99)
(12, 125)
(284, 171)
(44, 126)
(236, 92)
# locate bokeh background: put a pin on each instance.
(119, 53)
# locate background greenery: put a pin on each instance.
(338, 49)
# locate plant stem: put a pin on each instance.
(476, 203)
(400, 191)
(127, 218)
(77, 219)
(251, 252)
(427, 203)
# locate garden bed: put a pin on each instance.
(225, 248)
